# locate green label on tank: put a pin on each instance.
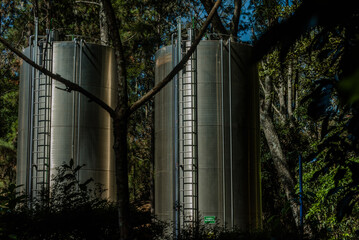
(210, 219)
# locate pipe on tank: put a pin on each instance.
(79, 107)
(74, 79)
(223, 136)
(230, 128)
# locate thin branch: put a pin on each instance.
(276, 89)
(279, 113)
(262, 86)
(267, 94)
(70, 86)
(89, 2)
(179, 66)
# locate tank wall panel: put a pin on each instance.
(164, 135)
(80, 129)
(216, 189)
(23, 129)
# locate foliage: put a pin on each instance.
(7, 164)
(74, 210)
(321, 202)
(331, 115)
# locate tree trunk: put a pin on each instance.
(289, 91)
(280, 163)
(235, 19)
(120, 148)
(281, 97)
(120, 122)
(103, 26)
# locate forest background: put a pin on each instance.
(308, 76)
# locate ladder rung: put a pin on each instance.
(189, 209)
(191, 183)
(41, 183)
(38, 139)
(43, 145)
(38, 127)
(185, 114)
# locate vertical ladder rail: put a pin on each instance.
(41, 121)
(188, 138)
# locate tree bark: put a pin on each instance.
(280, 163)
(281, 97)
(289, 91)
(103, 26)
(235, 19)
(216, 22)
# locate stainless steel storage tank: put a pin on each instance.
(217, 113)
(56, 126)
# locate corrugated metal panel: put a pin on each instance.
(80, 129)
(234, 197)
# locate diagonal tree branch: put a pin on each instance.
(179, 66)
(89, 2)
(70, 86)
(217, 23)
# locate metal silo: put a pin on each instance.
(55, 125)
(207, 136)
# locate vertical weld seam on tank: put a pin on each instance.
(196, 127)
(222, 125)
(49, 114)
(32, 112)
(79, 108)
(30, 122)
(175, 160)
(74, 80)
(230, 127)
(179, 159)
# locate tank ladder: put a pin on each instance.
(188, 144)
(41, 120)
